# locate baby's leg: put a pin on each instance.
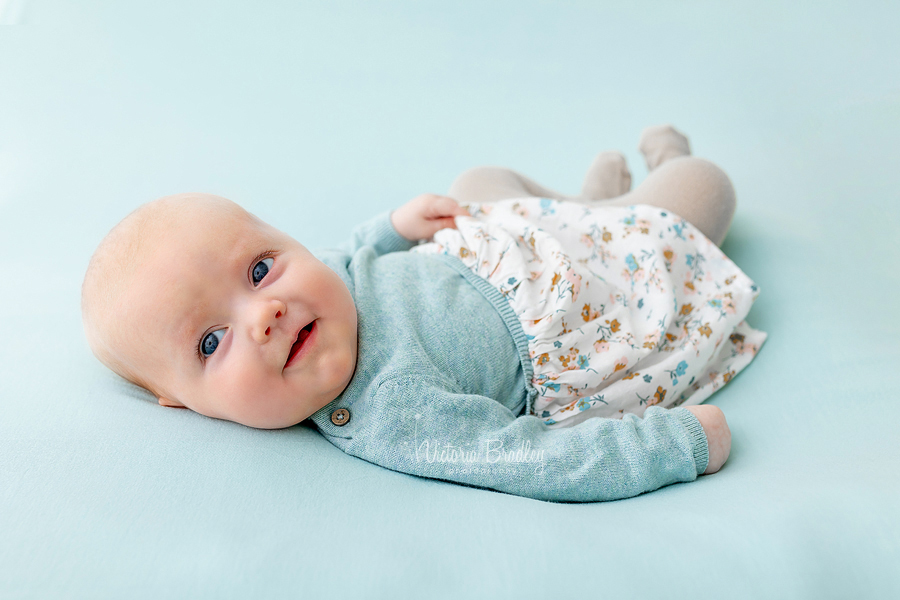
(489, 184)
(693, 188)
(607, 177)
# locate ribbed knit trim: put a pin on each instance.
(509, 317)
(389, 239)
(698, 437)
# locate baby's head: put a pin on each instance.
(209, 308)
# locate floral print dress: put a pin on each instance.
(623, 307)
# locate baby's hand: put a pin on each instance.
(425, 215)
(718, 436)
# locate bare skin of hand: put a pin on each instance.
(718, 435)
(425, 215)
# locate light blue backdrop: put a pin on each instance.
(316, 116)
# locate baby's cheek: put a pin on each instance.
(335, 373)
(239, 393)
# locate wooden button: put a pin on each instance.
(340, 417)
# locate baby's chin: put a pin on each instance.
(279, 422)
(271, 419)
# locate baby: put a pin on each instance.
(414, 356)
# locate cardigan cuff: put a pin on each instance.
(388, 238)
(698, 437)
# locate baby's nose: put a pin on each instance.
(266, 319)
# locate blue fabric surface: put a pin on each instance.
(318, 116)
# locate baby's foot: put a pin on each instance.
(662, 142)
(607, 177)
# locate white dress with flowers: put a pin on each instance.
(623, 307)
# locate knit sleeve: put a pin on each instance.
(378, 233)
(420, 428)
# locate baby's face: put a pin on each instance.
(236, 320)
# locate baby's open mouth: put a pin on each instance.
(299, 343)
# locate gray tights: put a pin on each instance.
(693, 188)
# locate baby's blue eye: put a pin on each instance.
(211, 342)
(261, 269)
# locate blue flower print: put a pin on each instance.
(679, 371)
(641, 303)
(552, 386)
(511, 280)
(648, 378)
(632, 264)
(547, 206)
(557, 344)
(582, 404)
(690, 260)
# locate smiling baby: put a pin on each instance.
(403, 354)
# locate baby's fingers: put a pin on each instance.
(443, 207)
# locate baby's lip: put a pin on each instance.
(304, 339)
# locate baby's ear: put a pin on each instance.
(172, 403)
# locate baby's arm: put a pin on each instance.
(419, 427)
(418, 219)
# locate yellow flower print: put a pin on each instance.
(705, 329)
(565, 359)
(669, 257)
(660, 395)
(555, 280)
(588, 314)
